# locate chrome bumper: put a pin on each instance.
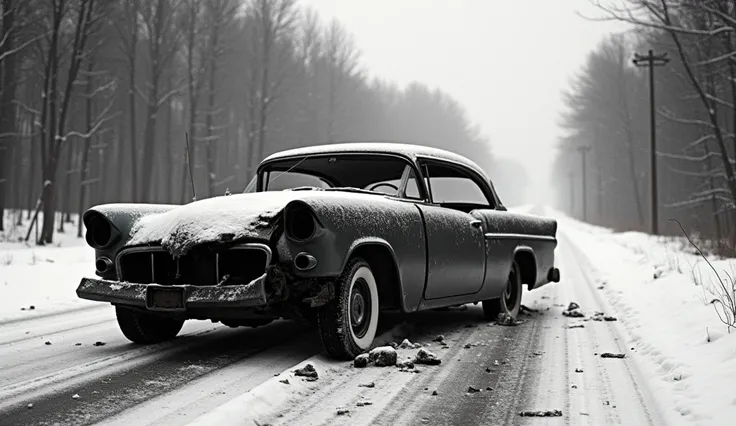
(174, 298)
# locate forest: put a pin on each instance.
(99, 97)
(607, 116)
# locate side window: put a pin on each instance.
(450, 185)
(412, 189)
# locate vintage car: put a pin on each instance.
(330, 234)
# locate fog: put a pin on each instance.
(95, 108)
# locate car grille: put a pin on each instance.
(146, 265)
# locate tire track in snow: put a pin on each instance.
(113, 384)
(609, 391)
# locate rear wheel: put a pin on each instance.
(510, 300)
(142, 327)
(347, 324)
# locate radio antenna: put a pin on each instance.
(189, 162)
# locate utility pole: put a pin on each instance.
(583, 151)
(600, 197)
(651, 60)
(572, 193)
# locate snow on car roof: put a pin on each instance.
(408, 150)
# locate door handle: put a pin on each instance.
(475, 223)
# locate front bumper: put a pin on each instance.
(174, 298)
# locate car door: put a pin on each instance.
(456, 252)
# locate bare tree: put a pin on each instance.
(159, 21)
(86, 16)
(273, 25)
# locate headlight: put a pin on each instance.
(100, 232)
(299, 222)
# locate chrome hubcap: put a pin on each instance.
(357, 309)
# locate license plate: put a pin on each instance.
(165, 298)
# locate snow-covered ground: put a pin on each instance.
(42, 277)
(662, 293)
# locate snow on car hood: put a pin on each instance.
(206, 221)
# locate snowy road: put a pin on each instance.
(214, 374)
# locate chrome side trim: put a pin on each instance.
(498, 236)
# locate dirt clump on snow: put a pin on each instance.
(439, 338)
(383, 356)
(541, 413)
(507, 320)
(361, 361)
(367, 385)
(406, 364)
(612, 355)
(573, 311)
(427, 358)
(307, 371)
(406, 344)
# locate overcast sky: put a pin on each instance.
(506, 61)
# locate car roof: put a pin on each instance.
(410, 151)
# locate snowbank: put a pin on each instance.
(662, 294)
(44, 277)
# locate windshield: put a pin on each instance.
(375, 173)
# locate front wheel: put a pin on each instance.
(142, 327)
(347, 324)
(510, 301)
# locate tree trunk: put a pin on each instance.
(168, 140)
(210, 112)
(7, 94)
(84, 164)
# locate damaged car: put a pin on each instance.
(332, 235)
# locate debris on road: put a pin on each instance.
(47, 343)
(573, 311)
(77, 344)
(468, 346)
(342, 411)
(406, 344)
(406, 364)
(439, 338)
(383, 356)
(434, 393)
(578, 370)
(307, 371)
(548, 413)
(29, 406)
(508, 320)
(611, 355)
(472, 389)
(76, 396)
(575, 326)
(284, 381)
(489, 388)
(98, 343)
(363, 403)
(361, 361)
(609, 318)
(427, 358)
(368, 385)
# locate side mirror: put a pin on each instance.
(502, 208)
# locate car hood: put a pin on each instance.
(231, 217)
(224, 218)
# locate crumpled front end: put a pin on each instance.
(219, 276)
